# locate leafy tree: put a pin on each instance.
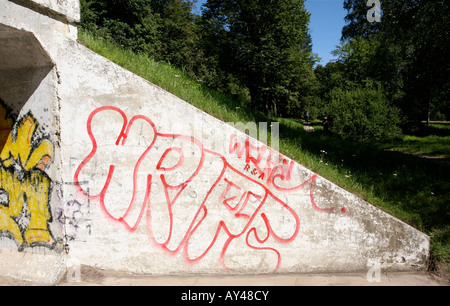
(129, 23)
(177, 31)
(363, 113)
(265, 45)
(367, 58)
(163, 29)
(413, 36)
(357, 94)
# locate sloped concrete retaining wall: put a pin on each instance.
(127, 176)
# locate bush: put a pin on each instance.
(363, 114)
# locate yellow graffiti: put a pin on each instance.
(24, 186)
(20, 149)
(34, 190)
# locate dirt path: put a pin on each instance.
(308, 128)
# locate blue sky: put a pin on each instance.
(327, 20)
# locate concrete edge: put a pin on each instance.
(32, 268)
(90, 276)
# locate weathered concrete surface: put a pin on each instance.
(96, 277)
(123, 175)
(220, 218)
(66, 10)
(31, 267)
(24, 65)
(31, 232)
(112, 278)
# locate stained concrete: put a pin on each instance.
(97, 277)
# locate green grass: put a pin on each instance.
(432, 140)
(413, 189)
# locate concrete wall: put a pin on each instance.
(169, 189)
(140, 181)
(29, 151)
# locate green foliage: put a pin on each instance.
(257, 51)
(260, 52)
(362, 113)
(357, 94)
(126, 22)
(411, 49)
(163, 29)
(177, 33)
(265, 46)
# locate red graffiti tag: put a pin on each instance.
(261, 161)
(194, 201)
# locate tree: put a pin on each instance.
(163, 29)
(265, 45)
(129, 23)
(363, 113)
(177, 31)
(358, 105)
(368, 58)
(415, 34)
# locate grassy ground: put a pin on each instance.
(392, 176)
(431, 140)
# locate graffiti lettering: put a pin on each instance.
(230, 208)
(24, 186)
(261, 161)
